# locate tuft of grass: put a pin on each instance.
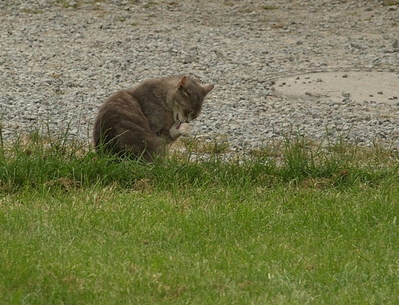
(269, 7)
(390, 2)
(32, 11)
(69, 4)
(218, 146)
(150, 4)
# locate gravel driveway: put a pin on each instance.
(60, 59)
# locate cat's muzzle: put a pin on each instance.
(179, 122)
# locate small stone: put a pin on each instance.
(189, 58)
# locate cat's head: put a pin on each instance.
(187, 99)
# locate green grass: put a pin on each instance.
(269, 7)
(295, 223)
(390, 2)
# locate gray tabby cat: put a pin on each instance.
(142, 121)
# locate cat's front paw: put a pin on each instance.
(179, 129)
(185, 129)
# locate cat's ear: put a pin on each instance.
(207, 88)
(182, 83)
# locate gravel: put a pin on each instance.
(60, 59)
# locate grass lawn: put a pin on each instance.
(293, 224)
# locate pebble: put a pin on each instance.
(60, 59)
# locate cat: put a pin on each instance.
(143, 121)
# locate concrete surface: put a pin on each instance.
(380, 87)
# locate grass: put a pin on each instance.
(390, 2)
(295, 223)
(269, 7)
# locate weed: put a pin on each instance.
(269, 7)
(150, 4)
(390, 2)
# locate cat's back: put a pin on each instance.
(120, 103)
(154, 89)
